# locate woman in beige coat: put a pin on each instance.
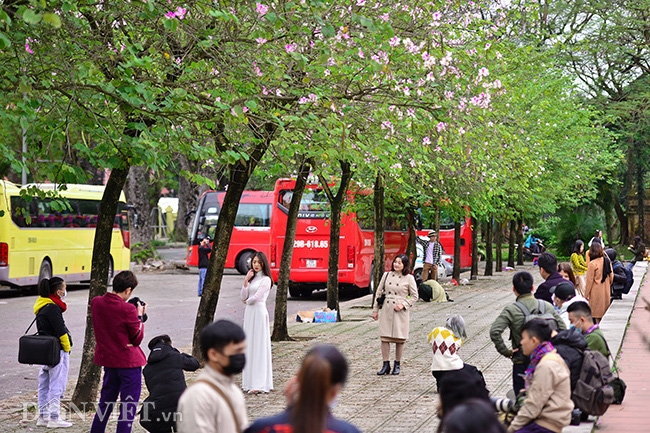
(401, 293)
(599, 280)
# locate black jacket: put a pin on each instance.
(570, 345)
(544, 290)
(49, 321)
(203, 256)
(164, 377)
(620, 278)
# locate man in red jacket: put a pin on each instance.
(118, 333)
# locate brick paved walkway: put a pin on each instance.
(633, 415)
(404, 403)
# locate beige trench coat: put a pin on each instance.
(399, 289)
(596, 292)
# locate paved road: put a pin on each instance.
(172, 308)
(172, 253)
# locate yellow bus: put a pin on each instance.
(37, 242)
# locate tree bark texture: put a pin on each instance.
(623, 220)
(188, 196)
(239, 174)
(474, 271)
(489, 265)
(336, 204)
(520, 242)
(280, 329)
(379, 218)
(640, 192)
(456, 271)
(511, 243)
(143, 193)
(89, 372)
(498, 240)
(411, 251)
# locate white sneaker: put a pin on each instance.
(42, 422)
(58, 423)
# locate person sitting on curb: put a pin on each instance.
(548, 270)
(547, 406)
(580, 317)
(165, 381)
(512, 317)
(564, 294)
(446, 342)
(570, 345)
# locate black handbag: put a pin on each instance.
(380, 299)
(39, 349)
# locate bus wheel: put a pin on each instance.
(45, 272)
(306, 292)
(244, 262)
(371, 284)
(294, 291)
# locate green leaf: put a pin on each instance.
(251, 104)
(4, 41)
(53, 19)
(31, 17)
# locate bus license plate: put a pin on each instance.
(311, 263)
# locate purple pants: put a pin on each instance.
(125, 382)
(533, 428)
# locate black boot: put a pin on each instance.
(396, 368)
(385, 369)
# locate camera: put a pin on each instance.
(138, 302)
(576, 415)
(504, 405)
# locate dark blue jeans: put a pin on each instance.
(125, 383)
(533, 428)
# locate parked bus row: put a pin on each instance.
(261, 222)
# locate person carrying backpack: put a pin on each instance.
(623, 277)
(513, 318)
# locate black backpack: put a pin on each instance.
(630, 278)
(540, 312)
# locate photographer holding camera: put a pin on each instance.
(119, 330)
(547, 406)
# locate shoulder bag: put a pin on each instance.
(226, 399)
(38, 349)
(380, 299)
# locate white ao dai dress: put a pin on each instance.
(258, 371)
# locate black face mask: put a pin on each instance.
(236, 364)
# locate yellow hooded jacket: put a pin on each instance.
(56, 322)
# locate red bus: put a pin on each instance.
(251, 232)
(309, 265)
(446, 235)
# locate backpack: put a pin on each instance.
(539, 312)
(630, 279)
(594, 392)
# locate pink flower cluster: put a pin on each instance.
(178, 13)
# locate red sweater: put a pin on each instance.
(118, 332)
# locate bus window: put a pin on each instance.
(313, 204)
(253, 215)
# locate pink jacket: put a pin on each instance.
(118, 332)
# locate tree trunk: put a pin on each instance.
(456, 272)
(240, 172)
(143, 193)
(89, 372)
(498, 240)
(336, 204)
(280, 329)
(520, 242)
(379, 250)
(511, 243)
(622, 218)
(188, 195)
(474, 271)
(411, 251)
(488, 248)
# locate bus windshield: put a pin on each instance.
(314, 203)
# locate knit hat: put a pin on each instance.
(445, 347)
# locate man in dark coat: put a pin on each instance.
(570, 345)
(620, 277)
(165, 381)
(548, 270)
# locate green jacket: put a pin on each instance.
(596, 341)
(513, 318)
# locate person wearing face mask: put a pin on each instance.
(119, 330)
(581, 318)
(214, 402)
(49, 309)
(310, 396)
(258, 373)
